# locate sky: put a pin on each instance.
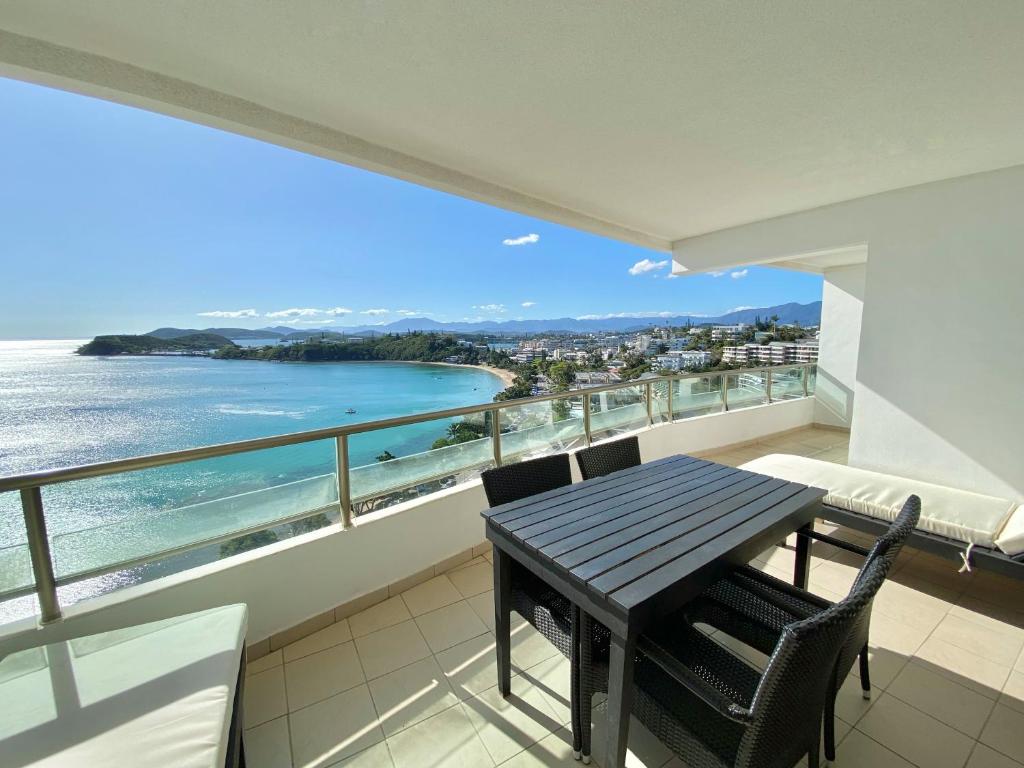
(118, 220)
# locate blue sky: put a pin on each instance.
(116, 220)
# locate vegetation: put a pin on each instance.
(152, 345)
(419, 347)
(461, 432)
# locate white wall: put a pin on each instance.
(941, 360)
(842, 303)
(291, 581)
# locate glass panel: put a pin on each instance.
(538, 429)
(787, 383)
(697, 397)
(746, 388)
(401, 463)
(617, 411)
(659, 400)
(107, 521)
(812, 378)
(15, 563)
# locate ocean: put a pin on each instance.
(58, 409)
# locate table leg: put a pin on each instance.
(620, 699)
(503, 619)
(802, 564)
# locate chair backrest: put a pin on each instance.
(517, 481)
(610, 457)
(787, 707)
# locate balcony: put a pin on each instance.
(411, 680)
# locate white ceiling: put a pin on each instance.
(651, 121)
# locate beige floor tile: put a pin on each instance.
(530, 647)
(910, 606)
(450, 625)
(267, 745)
(1013, 692)
(262, 664)
(999, 590)
(474, 578)
(986, 757)
(643, 750)
(411, 694)
(477, 560)
(914, 735)
(859, 751)
(388, 649)
(986, 640)
(385, 614)
(851, 705)
(336, 634)
(483, 606)
(884, 666)
(377, 756)
(946, 701)
(336, 728)
(552, 678)
(470, 667)
(447, 740)
(896, 635)
(552, 750)
(316, 677)
(507, 726)
(836, 577)
(984, 676)
(837, 455)
(1004, 732)
(264, 697)
(431, 595)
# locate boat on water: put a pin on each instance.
(350, 410)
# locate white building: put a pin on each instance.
(682, 360)
(726, 332)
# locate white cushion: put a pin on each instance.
(968, 517)
(157, 694)
(1011, 538)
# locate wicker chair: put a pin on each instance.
(545, 609)
(715, 710)
(755, 608)
(610, 457)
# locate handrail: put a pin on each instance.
(29, 484)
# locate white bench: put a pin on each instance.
(985, 530)
(154, 695)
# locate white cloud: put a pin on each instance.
(528, 304)
(524, 240)
(671, 276)
(411, 312)
(716, 274)
(490, 307)
(739, 273)
(647, 265)
(233, 313)
(338, 311)
(320, 322)
(375, 312)
(736, 309)
(294, 312)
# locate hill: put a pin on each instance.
(152, 345)
(227, 333)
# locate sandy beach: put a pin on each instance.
(507, 377)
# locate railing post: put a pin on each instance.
(768, 384)
(725, 392)
(496, 435)
(39, 551)
(648, 391)
(344, 486)
(671, 413)
(806, 376)
(586, 418)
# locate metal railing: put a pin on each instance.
(45, 582)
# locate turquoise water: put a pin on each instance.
(58, 409)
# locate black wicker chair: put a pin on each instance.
(755, 608)
(610, 457)
(545, 609)
(715, 710)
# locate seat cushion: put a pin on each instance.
(1011, 538)
(148, 696)
(968, 517)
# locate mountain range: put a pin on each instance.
(791, 313)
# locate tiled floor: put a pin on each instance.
(410, 683)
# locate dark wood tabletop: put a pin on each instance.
(639, 543)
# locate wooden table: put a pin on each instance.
(635, 545)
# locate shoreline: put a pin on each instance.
(507, 377)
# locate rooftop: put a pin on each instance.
(411, 681)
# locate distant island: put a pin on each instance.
(198, 342)
(411, 347)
